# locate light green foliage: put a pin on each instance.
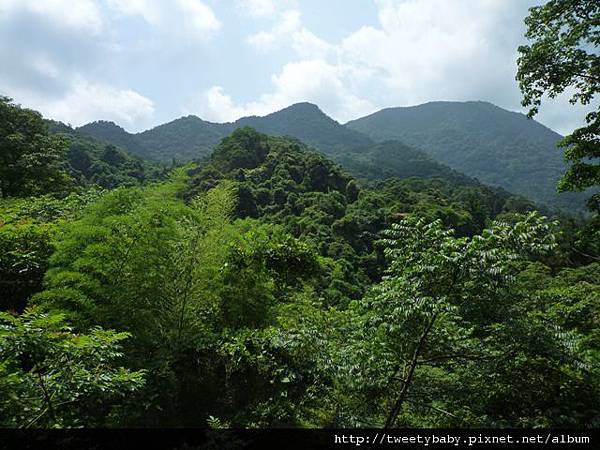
(26, 229)
(281, 181)
(52, 377)
(46, 208)
(185, 282)
(445, 314)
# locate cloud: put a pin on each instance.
(216, 106)
(435, 49)
(289, 31)
(287, 24)
(189, 18)
(46, 43)
(310, 80)
(82, 15)
(87, 101)
(258, 9)
(412, 51)
(419, 51)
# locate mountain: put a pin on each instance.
(183, 139)
(190, 137)
(102, 161)
(113, 134)
(438, 139)
(498, 147)
(312, 126)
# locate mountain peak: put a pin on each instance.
(303, 108)
(497, 146)
(100, 124)
(307, 106)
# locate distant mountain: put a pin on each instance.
(479, 139)
(183, 139)
(312, 126)
(102, 162)
(191, 137)
(113, 134)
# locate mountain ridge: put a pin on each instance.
(499, 147)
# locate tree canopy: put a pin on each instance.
(265, 286)
(562, 57)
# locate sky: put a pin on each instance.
(141, 63)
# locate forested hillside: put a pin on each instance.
(265, 286)
(479, 139)
(91, 161)
(190, 137)
(308, 123)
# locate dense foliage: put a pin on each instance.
(264, 286)
(92, 161)
(31, 160)
(563, 56)
(478, 139)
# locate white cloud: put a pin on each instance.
(435, 49)
(150, 11)
(315, 81)
(190, 18)
(43, 65)
(80, 15)
(216, 106)
(289, 31)
(87, 101)
(65, 52)
(288, 23)
(258, 9)
(308, 46)
(420, 50)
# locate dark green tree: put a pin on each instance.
(31, 160)
(563, 55)
(52, 377)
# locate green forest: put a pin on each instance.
(276, 280)
(264, 286)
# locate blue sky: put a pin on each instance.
(145, 62)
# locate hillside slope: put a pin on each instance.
(312, 126)
(103, 162)
(497, 146)
(190, 137)
(477, 139)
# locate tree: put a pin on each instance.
(31, 160)
(563, 56)
(51, 377)
(442, 296)
(24, 252)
